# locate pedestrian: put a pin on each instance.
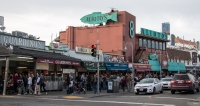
(1, 84)
(71, 86)
(37, 85)
(15, 78)
(95, 84)
(43, 85)
(128, 80)
(30, 84)
(33, 81)
(123, 83)
(20, 85)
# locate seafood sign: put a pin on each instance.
(98, 17)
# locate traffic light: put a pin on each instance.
(94, 51)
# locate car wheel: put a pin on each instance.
(161, 90)
(137, 93)
(172, 92)
(193, 91)
(197, 89)
(154, 90)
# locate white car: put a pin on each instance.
(166, 82)
(148, 85)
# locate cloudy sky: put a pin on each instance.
(42, 18)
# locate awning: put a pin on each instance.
(174, 66)
(155, 65)
(192, 67)
(142, 67)
(116, 66)
(91, 66)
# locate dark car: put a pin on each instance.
(199, 80)
(184, 82)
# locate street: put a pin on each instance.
(89, 99)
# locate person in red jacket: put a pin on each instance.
(15, 78)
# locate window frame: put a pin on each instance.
(149, 45)
(140, 43)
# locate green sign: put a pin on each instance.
(153, 57)
(93, 66)
(131, 29)
(154, 34)
(98, 17)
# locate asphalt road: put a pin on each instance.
(165, 99)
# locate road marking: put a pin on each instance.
(114, 102)
(174, 98)
(72, 97)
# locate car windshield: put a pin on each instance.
(166, 79)
(181, 77)
(146, 81)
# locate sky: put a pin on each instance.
(46, 18)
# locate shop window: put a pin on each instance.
(164, 46)
(144, 43)
(153, 44)
(160, 45)
(149, 43)
(140, 42)
(157, 45)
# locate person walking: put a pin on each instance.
(95, 84)
(43, 85)
(123, 82)
(15, 78)
(37, 85)
(30, 90)
(128, 80)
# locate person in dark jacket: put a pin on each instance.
(15, 78)
(1, 84)
(33, 81)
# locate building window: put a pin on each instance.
(164, 47)
(160, 45)
(144, 43)
(140, 42)
(149, 43)
(157, 45)
(153, 44)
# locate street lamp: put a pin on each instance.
(160, 63)
(125, 49)
(178, 63)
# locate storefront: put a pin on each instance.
(114, 34)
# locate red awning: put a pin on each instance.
(142, 67)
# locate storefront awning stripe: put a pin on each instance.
(155, 65)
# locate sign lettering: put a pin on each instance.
(16, 41)
(154, 34)
(98, 17)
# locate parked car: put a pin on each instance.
(184, 82)
(166, 82)
(148, 85)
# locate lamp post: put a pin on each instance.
(125, 49)
(160, 63)
(178, 63)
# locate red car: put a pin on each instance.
(184, 82)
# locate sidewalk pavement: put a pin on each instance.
(63, 94)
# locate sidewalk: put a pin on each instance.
(63, 94)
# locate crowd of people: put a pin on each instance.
(23, 84)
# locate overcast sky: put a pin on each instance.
(42, 18)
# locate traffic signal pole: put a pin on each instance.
(98, 43)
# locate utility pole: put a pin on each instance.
(98, 43)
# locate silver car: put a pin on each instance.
(166, 83)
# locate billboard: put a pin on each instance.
(166, 28)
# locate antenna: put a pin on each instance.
(112, 9)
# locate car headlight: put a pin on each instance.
(150, 86)
(169, 83)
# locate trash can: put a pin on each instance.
(113, 86)
(110, 87)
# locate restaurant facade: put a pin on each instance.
(113, 32)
